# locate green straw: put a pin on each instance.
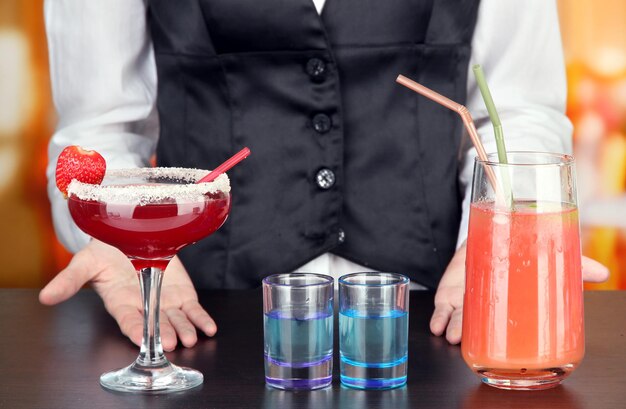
(495, 120)
(493, 112)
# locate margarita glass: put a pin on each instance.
(149, 214)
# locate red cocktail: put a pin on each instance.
(149, 214)
(523, 322)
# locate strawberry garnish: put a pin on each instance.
(77, 163)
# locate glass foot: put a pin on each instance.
(165, 378)
(525, 379)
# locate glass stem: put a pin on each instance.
(151, 354)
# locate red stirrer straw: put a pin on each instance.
(235, 159)
(458, 108)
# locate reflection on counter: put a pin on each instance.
(486, 397)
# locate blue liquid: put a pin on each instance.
(373, 348)
(298, 349)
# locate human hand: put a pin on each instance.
(114, 279)
(448, 314)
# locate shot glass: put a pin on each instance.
(373, 330)
(298, 328)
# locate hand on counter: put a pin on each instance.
(449, 299)
(448, 314)
(113, 277)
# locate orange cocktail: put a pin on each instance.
(523, 310)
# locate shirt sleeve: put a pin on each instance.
(103, 79)
(518, 44)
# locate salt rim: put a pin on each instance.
(146, 194)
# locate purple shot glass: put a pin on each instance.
(298, 330)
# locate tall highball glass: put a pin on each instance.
(523, 309)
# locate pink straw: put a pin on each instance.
(461, 110)
(235, 159)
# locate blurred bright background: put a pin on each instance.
(594, 36)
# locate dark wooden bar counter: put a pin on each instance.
(53, 357)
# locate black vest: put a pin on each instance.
(343, 160)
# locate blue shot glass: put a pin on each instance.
(373, 330)
(298, 329)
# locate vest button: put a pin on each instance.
(341, 236)
(316, 68)
(325, 178)
(322, 123)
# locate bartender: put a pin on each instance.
(348, 172)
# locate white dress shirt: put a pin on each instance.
(104, 88)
